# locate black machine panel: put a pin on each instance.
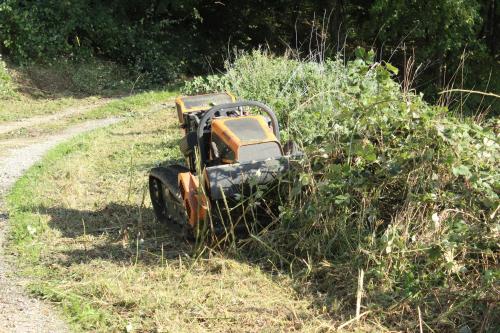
(246, 129)
(206, 100)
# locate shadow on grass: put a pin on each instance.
(118, 232)
(126, 234)
(139, 133)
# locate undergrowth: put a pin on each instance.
(91, 77)
(395, 200)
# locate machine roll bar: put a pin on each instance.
(210, 114)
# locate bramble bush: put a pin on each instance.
(390, 185)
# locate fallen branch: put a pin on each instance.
(350, 321)
(470, 91)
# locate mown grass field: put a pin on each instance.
(85, 234)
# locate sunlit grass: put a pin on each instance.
(24, 107)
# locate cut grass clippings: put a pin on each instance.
(84, 231)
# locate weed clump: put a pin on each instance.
(390, 185)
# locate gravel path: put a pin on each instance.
(18, 311)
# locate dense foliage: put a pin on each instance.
(143, 35)
(391, 185)
(165, 38)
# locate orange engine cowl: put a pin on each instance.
(194, 200)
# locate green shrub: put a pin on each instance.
(6, 87)
(391, 185)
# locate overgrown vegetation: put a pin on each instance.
(75, 79)
(403, 191)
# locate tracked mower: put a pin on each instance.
(232, 148)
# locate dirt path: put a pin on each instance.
(38, 120)
(18, 311)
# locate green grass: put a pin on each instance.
(84, 232)
(29, 107)
(13, 109)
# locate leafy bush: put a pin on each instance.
(390, 185)
(6, 88)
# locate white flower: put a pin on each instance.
(31, 230)
(436, 220)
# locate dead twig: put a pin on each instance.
(350, 321)
(470, 91)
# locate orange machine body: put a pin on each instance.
(241, 131)
(194, 200)
(230, 148)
